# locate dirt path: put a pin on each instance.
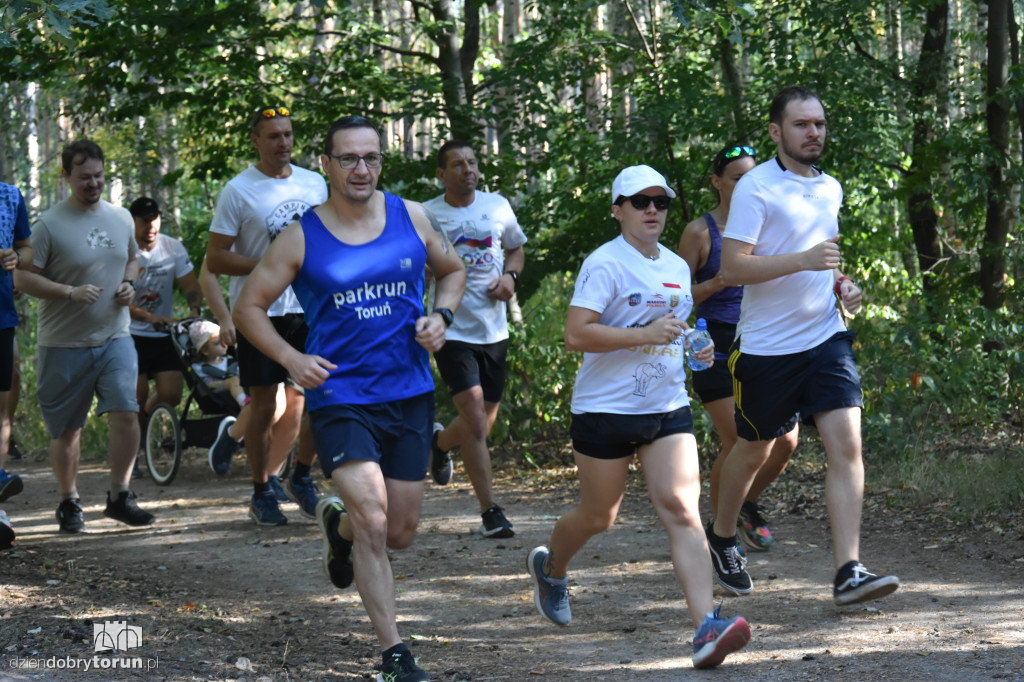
(218, 598)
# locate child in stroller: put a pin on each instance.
(220, 373)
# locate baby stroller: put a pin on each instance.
(167, 434)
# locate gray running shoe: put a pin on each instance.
(441, 467)
(550, 595)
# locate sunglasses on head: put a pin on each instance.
(271, 112)
(737, 152)
(641, 201)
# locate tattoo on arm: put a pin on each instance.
(437, 228)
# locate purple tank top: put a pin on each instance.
(723, 306)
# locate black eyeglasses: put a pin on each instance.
(737, 152)
(271, 112)
(641, 201)
(350, 161)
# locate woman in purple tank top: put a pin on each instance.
(719, 304)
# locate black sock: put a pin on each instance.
(260, 488)
(719, 542)
(301, 470)
(396, 649)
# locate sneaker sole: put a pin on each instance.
(325, 542)
(732, 640)
(209, 454)
(876, 589)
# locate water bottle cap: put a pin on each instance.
(701, 324)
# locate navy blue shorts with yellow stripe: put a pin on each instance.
(772, 390)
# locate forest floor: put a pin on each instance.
(217, 597)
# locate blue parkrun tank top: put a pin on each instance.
(361, 304)
(724, 305)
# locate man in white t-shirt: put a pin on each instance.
(251, 211)
(795, 354)
(162, 261)
(487, 236)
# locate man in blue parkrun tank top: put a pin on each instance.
(356, 264)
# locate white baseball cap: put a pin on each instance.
(638, 178)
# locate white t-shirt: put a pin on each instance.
(630, 290)
(154, 290)
(254, 208)
(480, 232)
(780, 212)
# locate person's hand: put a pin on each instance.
(124, 294)
(501, 288)
(705, 354)
(308, 371)
(665, 330)
(430, 332)
(86, 293)
(823, 256)
(165, 320)
(850, 295)
(227, 333)
(8, 259)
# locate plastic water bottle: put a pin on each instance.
(699, 339)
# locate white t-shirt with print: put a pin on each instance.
(254, 207)
(780, 212)
(480, 233)
(630, 290)
(154, 290)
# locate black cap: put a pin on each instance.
(144, 207)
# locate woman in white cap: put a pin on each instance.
(626, 315)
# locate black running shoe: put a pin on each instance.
(441, 467)
(126, 510)
(69, 516)
(337, 557)
(730, 566)
(855, 584)
(495, 525)
(401, 667)
(13, 451)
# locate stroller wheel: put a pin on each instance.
(163, 444)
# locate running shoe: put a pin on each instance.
(224, 448)
(495, 525)
(264, 511)
(275, 486)
(730, 566)
(855, 584)
(303, 492)
(401, 667)
(550, 595)
(126, 510)
(13, 451)
(69, 516)
(441, 467)
(337, 557)
(10, 485)
(753, 528)
(718, 637)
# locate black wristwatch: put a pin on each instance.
(129, 282)
(447, 315)
(514, 275)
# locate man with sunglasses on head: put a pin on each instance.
(252, 210)
(795, 354)
(356, 263)
(486, 235)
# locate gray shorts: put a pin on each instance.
(68, 378)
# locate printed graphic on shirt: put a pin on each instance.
(368, 293)
(149, 296)
(473, 244)
(98, 239)
(646, 373)
(286, 213)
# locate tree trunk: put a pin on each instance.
(931, 74)
(997, 118)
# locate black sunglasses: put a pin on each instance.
(641, 201)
